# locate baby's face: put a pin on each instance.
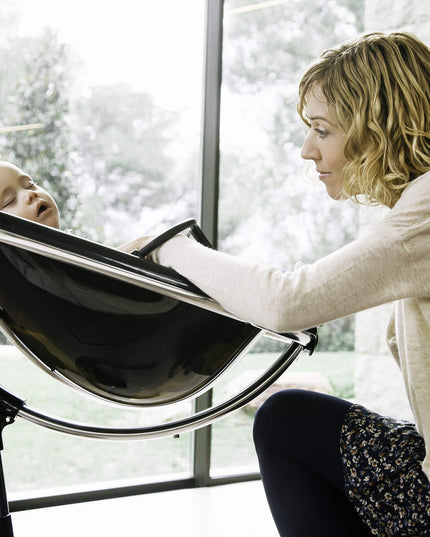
(20, 196)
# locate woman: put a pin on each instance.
(329, 467)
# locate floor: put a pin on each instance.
(238, 510)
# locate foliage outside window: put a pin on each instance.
(117, 159)
(271, 209)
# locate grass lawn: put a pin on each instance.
(37, 458)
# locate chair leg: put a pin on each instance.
(9, 406)
(6, 529)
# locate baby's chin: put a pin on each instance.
(53, 220)
(54, 223)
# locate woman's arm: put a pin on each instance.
(350, 280)
(390, 262)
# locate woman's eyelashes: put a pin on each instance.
(321, 132)
(318, 129)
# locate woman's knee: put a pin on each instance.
(278, 411)
(285, 402)
(293, 412)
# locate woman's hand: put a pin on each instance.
(135, 244)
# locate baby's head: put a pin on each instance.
(20, 196)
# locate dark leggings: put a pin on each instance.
(296, 434)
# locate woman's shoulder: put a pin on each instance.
(408, 222)
(418, 190)
(413, 206)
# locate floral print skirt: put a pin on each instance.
(383, 476)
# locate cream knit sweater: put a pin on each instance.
(390, 263)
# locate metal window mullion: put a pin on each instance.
(209, 184)
(209, 190)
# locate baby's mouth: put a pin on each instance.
(41, 209)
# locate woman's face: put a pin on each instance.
(324, 143)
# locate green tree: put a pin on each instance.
(9, 54)
(124, 142)
(274, 45)
(265, 53)
(42, 96)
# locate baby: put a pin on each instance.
(21, 196)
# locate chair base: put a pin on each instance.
(8, 410)
(6, 529)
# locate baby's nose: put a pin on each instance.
(30, 196)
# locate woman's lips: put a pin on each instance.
(323, 175)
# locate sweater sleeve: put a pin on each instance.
(390, 262)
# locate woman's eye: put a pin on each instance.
(321, 132)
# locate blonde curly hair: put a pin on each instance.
(379, 89)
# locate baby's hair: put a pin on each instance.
(379, 89)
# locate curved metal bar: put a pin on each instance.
(190, 423)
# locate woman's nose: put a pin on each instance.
(309, 149)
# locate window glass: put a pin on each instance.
(271, 208)
(100, 103)
(113, 91)
(40, 461)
